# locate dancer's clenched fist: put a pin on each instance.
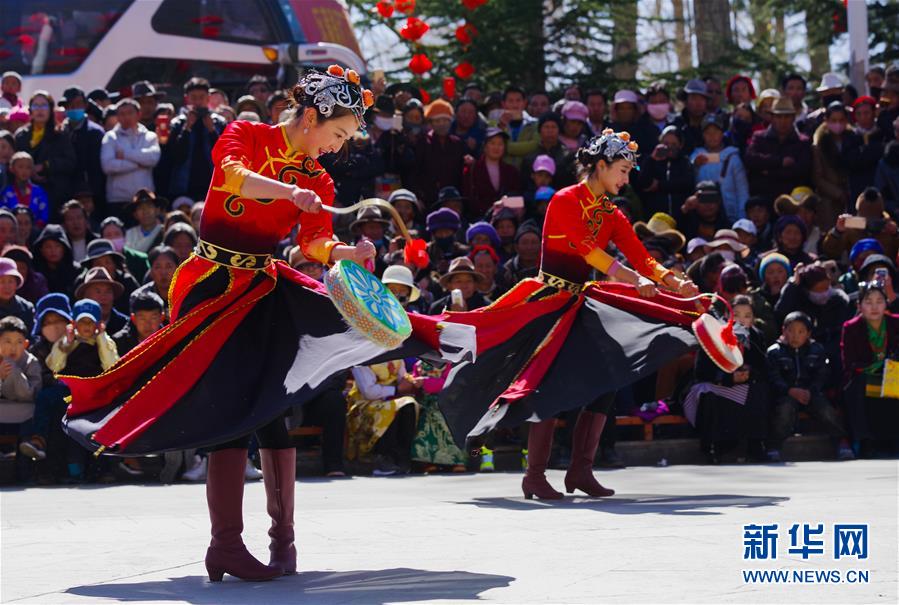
(306, 200)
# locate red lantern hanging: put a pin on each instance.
(407, 7)
(465, 33)
(420, 64)
(385, 8)
(464, 70)
(425, 96)
(414, 29)
(473, 4)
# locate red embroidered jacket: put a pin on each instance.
(576, 231)
(256, 226)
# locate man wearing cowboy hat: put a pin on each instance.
(461, 276)
(102, 253)
(778, 158)
(148, 97)
(99, 286)
(662, 226)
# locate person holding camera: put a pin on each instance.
(192, 135)
(666, 178)
(870, 221)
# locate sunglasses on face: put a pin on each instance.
(40, 106)
(403, 299)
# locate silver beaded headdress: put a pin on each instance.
(337, 86)
(611, 146)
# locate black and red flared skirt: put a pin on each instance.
(242, 347)
(543, 351)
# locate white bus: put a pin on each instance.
(55, 44)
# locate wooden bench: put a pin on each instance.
(306, 431)
(648, 431)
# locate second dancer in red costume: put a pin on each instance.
(562, 342)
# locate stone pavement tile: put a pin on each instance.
(669, 535)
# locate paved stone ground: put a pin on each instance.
(670, 535)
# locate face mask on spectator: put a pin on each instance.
(76, 115)
(820, 298)
(445, 243)
(413, 128)
(118, 243)
(658, 111)
(836, 127)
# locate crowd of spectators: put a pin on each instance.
(783, 202)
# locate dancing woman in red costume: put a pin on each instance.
(249, 336)
(561, 342)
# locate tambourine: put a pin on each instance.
(717, 338)
(364, 301)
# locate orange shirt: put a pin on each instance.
(256, 226)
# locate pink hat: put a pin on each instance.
(8, 267)
(575, 110)
(626, 96)
(544, 163)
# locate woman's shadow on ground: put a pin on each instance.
(319, 587)
(637, 504)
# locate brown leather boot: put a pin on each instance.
(279, 473)
(540, 445)
(584, 442)
(224, 495)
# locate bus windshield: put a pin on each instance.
(53, 36)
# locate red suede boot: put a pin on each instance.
(587, 431)
(224, 495)
(279, 473)
(540, 445)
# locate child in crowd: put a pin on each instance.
(147, 233)
(20, 372)
(84, 349)
(797, 371)
(22, 192)
(53, 315)
(147, 316)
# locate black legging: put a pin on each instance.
(273, 436)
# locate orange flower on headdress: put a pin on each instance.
(632, 146)
(335, 70)
(624, 136)
(352, 76)
(368, 99)
(608, 131)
